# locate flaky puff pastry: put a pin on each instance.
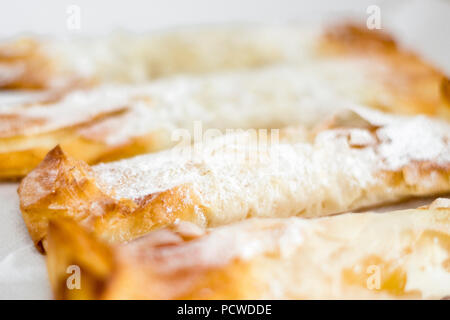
(34, 63)
(394, 255)
(320, 72)
(356, 159)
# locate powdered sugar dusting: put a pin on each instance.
(269, 97)
(77, 107)
(226, 243)
(135, 58)
(298, 176)
(417, 139)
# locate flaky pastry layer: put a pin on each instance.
(394, 255)
(320, 72)
(358, 158)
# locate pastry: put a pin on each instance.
(112, 122)
(395, 255)
(356, 159)
(301, 76)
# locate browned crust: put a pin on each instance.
(16, 164)
(445, 89)
(31, 69)
(64, 187)
(70, 245)
(350, 38)
(166, 265)
(16, 125)
(29, 150)
(410, 86)
(414, 86)
(27, 66)
(108, 272)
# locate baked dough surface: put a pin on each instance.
(301, 77)
(365, 123)
(356, 159)
(395, 255)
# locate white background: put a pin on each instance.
(421, 25)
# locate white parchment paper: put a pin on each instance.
(23, 273)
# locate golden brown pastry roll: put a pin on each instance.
(357, 159)
(47, 63)
(394, 255)
(113, 122)
(317, 71)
